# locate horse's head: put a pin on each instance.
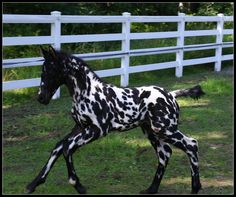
(52, 75)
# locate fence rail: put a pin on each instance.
(56, 39)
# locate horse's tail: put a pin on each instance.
(194, 92)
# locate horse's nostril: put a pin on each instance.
(43, 99)
(40, 98)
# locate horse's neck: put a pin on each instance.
(80, 79)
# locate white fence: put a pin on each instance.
(56, 39)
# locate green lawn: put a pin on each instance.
(122, 163)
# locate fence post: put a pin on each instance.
(56, 33)
(180, 43)
(124, 80)
(219, 40)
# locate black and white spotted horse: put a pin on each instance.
(99, 108)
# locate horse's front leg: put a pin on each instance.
(83, 137)
(56, 152)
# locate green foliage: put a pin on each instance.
(212, 9)
(207, 8)
(108, 9)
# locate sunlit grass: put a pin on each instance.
(189, 102)
(210, 135)
(138, 142)
(207, 182)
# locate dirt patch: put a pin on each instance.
(117, 176)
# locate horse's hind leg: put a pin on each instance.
(163, 152)
(190, 147)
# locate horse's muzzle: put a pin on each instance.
(43, 99)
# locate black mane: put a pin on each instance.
(62, 55)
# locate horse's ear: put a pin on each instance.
(43, 52)
(52, 52)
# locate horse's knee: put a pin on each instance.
(196, 143)
(168, 150)
(69, 147)
(164, 154)
(65, 149)
(192, 145)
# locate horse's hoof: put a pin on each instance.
(196, 189)
(30, 189)
(148, 191)
(80, 189)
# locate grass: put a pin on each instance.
(122, 163)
